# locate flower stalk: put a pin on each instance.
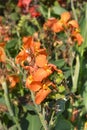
(8, 103)
(41, 117)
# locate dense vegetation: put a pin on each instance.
(43, 65)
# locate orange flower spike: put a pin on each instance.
(13, 79)
(41, 95)
(41, 60)
(2, 55)
(65, 17)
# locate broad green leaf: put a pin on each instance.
(31, 121)
(60, 63)
(63, 124)
(11, 44)
(13, 128)
(58, 10)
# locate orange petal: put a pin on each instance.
(73, 23)
(34, 86)
(2, 55)
(13, 79)
(77, 37)
(21, 57)
(28, 43)
(41, 95)
(2, 44)
(41, 74)
(57, 27)
(42, 51)
(65, 17)
(49, 23)
(37, 45)
(41, 60)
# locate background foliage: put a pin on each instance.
(66, 110)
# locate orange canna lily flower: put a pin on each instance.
(57, 25)
(2, 55)
(41, 95)
(13, 79)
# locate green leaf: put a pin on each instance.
(31, 121)
(83, 27)
(14, 16)
(63, 124)
(60, 63)
(44, 11)
(29, 107)
(13, 128)
(12, 43)
(58, 10)
(2, 101)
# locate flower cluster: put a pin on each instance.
(65, 23)
(33, 58)
(26, 8)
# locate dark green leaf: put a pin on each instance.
(63, 124)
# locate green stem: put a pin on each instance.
(73, 10)
(39, 114)
(51, 123)
(8, 104)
